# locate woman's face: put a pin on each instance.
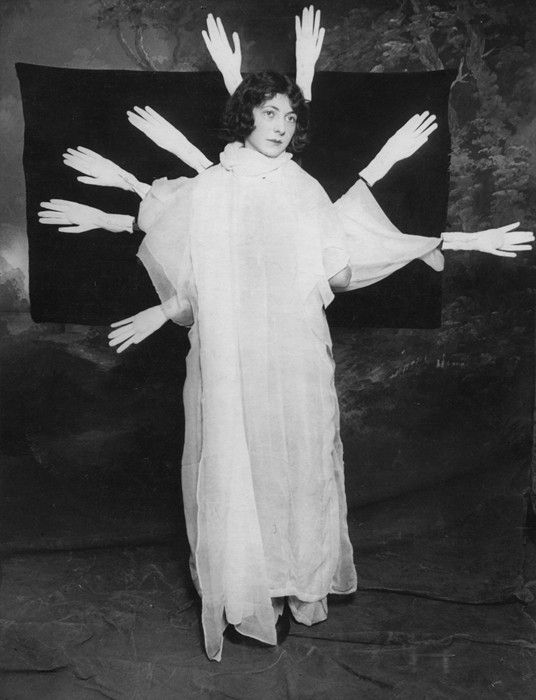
(275, 124)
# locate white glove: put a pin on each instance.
(504, 241)
(402, 144)
(168, 137)
(136, 328)
(309, 38)
(100, 171)
(73, 217)
(227, 61)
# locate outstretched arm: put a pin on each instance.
(132, 330)
(504, 241)
(168, 137)
(227, 60)
(73, 217)
(309, 38)
(402, 144)
(101, 171)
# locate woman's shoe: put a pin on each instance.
(234, 636)
(282, 626)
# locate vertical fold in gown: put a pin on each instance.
(251, 244)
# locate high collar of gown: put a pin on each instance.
(240, 160)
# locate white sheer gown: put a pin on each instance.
(250, 244)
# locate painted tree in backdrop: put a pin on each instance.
(134, 21)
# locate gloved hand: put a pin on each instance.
(136, 328)
(504, 241)
(309, 38)
(402, 144)
(60, 212)
(98, 170)
(168, 137)
(227, 61)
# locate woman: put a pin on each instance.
(262, 463)
(248, 252)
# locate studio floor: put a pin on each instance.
(95, 598)
(124, 623)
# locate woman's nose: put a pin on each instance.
(280, 127)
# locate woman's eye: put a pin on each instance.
(292, 118)
(269, 113)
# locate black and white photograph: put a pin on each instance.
(267, 321)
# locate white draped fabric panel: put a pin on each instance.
(251, 243)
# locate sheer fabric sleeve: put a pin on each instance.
(376, 248)
(165, 251)
(334, 252)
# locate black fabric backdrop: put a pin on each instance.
(95, 278)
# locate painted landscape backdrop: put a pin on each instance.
(437, 424)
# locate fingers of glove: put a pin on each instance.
(88, 180)
(53, 220)
(519, 236)
(50, 211)
(316, 22)
(51, 216)
(236, 47)
(47, 205)
(123, 347)
(123, 321)
(429, 130)
(426, 122)
(75, 163)
(57, 205)
(307, 19)
(222, 32)
(297, 26)
(505, 229)
(501, 253)
(76, 155)
(69, 208)
(139, 123)
(208, 43)
(121, 339)
(121, 334)
(303, 22)
(320, 41)
(158, 118)
(141, 113)
(76, 229)
(515, 246)
(144, 114)
(413, 123)
(212, 27)
(89, 152)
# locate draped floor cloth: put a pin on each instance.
(248, 246)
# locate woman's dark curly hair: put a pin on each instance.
(256, 88)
